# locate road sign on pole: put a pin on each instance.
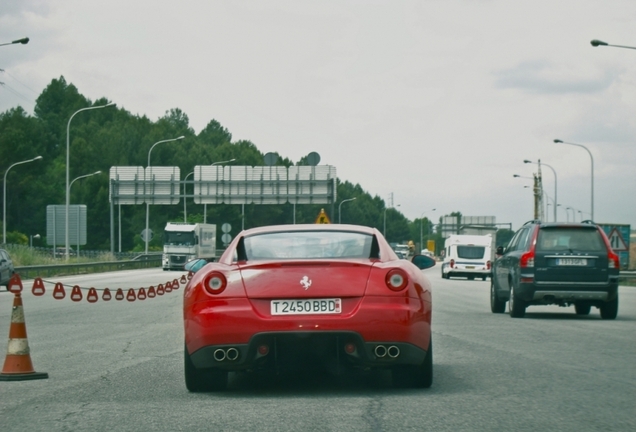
(616, 241)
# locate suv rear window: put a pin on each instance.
(470, 252)
(569, 239)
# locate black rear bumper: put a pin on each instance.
(307, 350)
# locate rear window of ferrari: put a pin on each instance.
(308, 245)
(569, 240)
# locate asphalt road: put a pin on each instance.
(119, 366)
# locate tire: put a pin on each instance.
(496, 305)
(582, 309)
(203, 380)
(609, 310)
(415, 376)
(516, 306)
(483, 278)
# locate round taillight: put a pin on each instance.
(215, 283)
(396, 280)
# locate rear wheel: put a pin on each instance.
(415, 376)
(496, 305)
(516, 306)
(609, 310)
(203, 380)
(582, 309)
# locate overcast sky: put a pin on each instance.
(435, 102)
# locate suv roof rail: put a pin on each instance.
(533, 221)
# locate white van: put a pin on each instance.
(468, 256)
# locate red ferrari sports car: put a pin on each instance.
(301, 296)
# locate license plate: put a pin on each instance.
(306, 306)
(571, 262)
(470, 267)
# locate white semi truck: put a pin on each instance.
(185, 241)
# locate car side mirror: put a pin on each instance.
(500, 250)
(423, 262)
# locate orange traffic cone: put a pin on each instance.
(17, 364)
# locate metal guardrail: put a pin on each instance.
(31, 272)
(627, 274)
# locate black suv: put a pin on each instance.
(556, 263)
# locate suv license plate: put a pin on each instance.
(306, 306)
(571, 262)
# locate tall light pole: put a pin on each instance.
(4, 197)
(69, 188)
(555, 182)
(421, 235)
(558, 141)
(205, 206)
(68, 128)
(596, 43)
(147, 234)
(22, 41)
(340, 206)
(384, 233)
(185, 210)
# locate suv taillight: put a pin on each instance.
(488, 265)
(452, 263)
(527, 259)
(613, 261)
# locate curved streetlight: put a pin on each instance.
(185, 210)
(205, 205)
(558, 141)
(4, 200)
(146, 181)
(69, 188)
(555, 181)
(22, 41)
(596, 43)
(421, 236)
(384, 232)
(340, 207)
(68, 128)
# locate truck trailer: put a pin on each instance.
(183, 242)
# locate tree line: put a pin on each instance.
(103, 138)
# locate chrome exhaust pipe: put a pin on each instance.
(380, 351)
(232, 354)
(393, 351)
(219, 355)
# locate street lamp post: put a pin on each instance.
(22, 41)
(205, 205)
(558, 141)
(555, 182)
(384, 232)
(340, 206)
(596, 43)
(69, 188)
(421, 235)
(68, 128)
(4, 197)
(146, 184)
(185, 211)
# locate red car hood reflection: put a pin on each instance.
(306, 279)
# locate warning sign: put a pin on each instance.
(616, 241)
(322, 217)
